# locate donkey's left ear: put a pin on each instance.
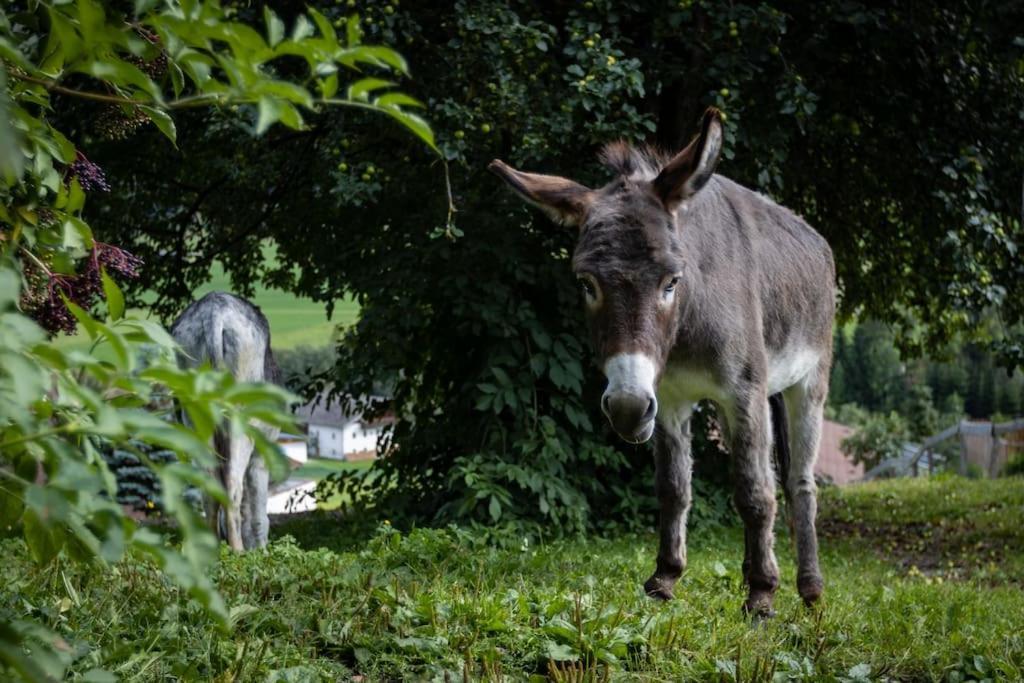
(690, 170)
(565, 201)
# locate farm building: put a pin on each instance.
(337, 429)
(292, 495)
(834, 465)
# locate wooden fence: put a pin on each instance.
(988, 445)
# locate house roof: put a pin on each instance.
(338, 411)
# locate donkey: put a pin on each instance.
(233, 335)
(694, 288)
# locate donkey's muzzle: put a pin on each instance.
(631, 413)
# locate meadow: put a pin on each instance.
(294, 321)
(939, 600)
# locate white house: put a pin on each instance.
(337, 430)
(292, 495)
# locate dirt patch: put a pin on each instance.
(948, 550)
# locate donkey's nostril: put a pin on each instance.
(630, 413)
(652, 410)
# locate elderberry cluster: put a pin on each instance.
(90, 176)
(47, 291)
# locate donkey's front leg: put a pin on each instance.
(673, 467)
(755, 498)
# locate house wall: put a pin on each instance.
(831, 460)
(330, 441)
(351, 442)
(977, 449)
(360, 440)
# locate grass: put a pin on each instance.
(438, 604)
(294, 321)
(338, 498)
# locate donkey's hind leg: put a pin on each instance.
(255, 523)
(239, 454)
(804, 406)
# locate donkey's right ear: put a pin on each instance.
(565, 201)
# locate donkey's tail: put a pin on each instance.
(780, 430)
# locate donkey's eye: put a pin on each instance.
(588, 288)
(671, 286)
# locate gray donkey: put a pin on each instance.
(233, 335)
(697, 288)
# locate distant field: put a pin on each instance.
(293, 321)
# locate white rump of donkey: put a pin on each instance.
(233, 335)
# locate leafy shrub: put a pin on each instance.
(135, 466)
(58, 402)
(301, 365)
(880, 437)
(1014, 466)
(477, 325)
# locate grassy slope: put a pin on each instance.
(293, 321)
(416, 606)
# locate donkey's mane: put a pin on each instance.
(639, 163)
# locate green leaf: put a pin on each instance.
(122, 73)
(329, 86)
(360, 89)
(269, 113)
(415, 124)
(76, 197)
(324, 24)
(92, 327)
(397, 99)
(113, 295)
(42, 543)
(494, 508)
(163, 121)
(275, 27)
(353, 31)
(376, 54)
(303, 29)
(76, 234)
(11, 505)
(560, 652)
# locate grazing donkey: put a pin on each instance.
(233, 335)
(697, 288)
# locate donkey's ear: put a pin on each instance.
(691, 169)
(565, 201)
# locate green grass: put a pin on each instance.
(438, 604)
(294, 321)
(338, 498)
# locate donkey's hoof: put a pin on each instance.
(810, 589)
(759, 606)
(660, 588)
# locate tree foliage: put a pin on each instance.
(894, 130)
(61, 406)
(878, 437)
(931, 392)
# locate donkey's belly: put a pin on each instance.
(681, 386)
(789, 367)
